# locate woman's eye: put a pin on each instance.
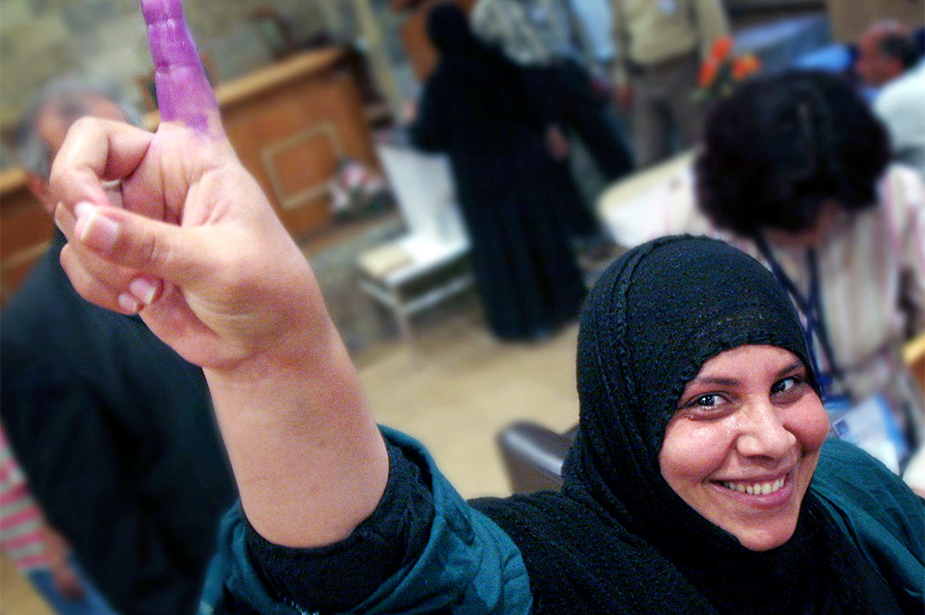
(708, 401)
(782, 386)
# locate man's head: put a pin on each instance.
(885, 51)
(45, 123)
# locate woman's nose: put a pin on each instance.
(762, 432)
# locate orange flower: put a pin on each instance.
(744, 67)
(721, 48)
(708, 71)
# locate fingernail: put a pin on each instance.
(93, 229)
(143, 289)
(83, 208)
(129, 303)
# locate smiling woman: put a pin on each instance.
(742, 447)
(694, 381)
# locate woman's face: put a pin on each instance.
(743, 445)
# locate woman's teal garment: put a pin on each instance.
(879, 514)
(469, 566)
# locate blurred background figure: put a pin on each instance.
(40, 553)
(660, 46)
(114, 429)
(885, 51)
(518, 204)
(890, 64)
(543, 38)
(901, 108)
(795, 171)
(594, 20)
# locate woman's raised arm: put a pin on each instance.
(196, 249)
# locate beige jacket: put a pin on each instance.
(648, 32)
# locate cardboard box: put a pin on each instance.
(851, 17)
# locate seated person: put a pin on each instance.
(40, 553)
(114, 430)
(886, 51)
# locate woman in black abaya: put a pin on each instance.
(519, 205)
(701, 481)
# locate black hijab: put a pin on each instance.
(449, 31)
(617, 539)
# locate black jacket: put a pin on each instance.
(116, 434)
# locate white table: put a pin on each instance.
(633, 209)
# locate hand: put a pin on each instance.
(557, 143)
(601, 87)
(63, 574)
(194, 247)
(625, 96)
(409, 112)
(198, 252)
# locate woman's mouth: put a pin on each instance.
(752, 488)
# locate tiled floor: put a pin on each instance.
(460, 387)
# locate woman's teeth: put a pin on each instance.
(755, 488)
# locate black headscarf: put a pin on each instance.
(449, 31)
(617, 539)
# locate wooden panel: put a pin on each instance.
(307, 162)
(25, 230)
(304, 105)
(24, 223)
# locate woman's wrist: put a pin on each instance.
(299, 433)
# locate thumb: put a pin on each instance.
(157, 248)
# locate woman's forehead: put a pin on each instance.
(750, 358)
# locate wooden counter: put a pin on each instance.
(290, 123)
(25, 230)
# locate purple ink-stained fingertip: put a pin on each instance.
(183, 91)
(160, 10)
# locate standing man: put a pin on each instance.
(113, 428)
(545, 39)
(660, 45)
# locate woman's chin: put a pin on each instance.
(765, 538)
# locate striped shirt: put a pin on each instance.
(533, 33)
(21, 523)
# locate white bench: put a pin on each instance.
(396, 275)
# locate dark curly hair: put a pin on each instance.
(780, 147)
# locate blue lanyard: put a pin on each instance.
(811, 308)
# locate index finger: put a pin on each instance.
(183, 91)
